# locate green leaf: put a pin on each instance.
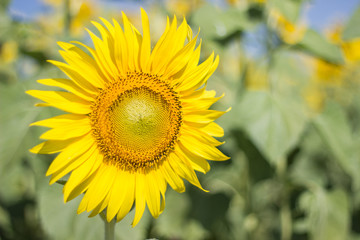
(174, 221)
(218, 24)
(273, 122)
(60, 221)
(317, 45)
(334, 129)
(307, 171)
(16, 115)
(352, 29)
(327, 214)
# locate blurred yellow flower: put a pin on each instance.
(244, 4)
(9, 51)
(80, 13)
(328, 73)
(258, 1)
(289, 32)
(138, 118)
(334, 33)
(182, 7)
(83, 15)
(351, 50)
(329, 80)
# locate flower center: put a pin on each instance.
(136, 122)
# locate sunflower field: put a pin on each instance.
(281, 161)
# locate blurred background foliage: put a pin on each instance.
(293, 133)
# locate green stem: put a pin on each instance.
(285, 216)
(110, 229)
(285, 213)
(67, 17)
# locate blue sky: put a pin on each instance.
(320, 13)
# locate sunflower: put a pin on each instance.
(136, 119)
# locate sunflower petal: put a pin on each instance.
(203, 150)
(172, 178)
(52, 146)
(63, 100)
(81, 188)
(74, 75)
(197, 162)
(77, 129)
(101, 186)
(146, 43)
(70, 166)
(60, 120)
(182, 167)
(213, 129)
(117, 195)
(139, 198)
(203, 116)
(129, 193)
(152, 194)
(79, 178)
(68, 85)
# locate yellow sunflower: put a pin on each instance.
(137, 119)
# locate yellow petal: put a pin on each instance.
(72, 73)
(83, 204)
(203, 150)
(203, 137)
(181, 59)
(172, 178)
(201, 103)
(197, 162)
(100, 186)
(132, 43)
(129, 193)
(159, 53)
(102, 205)
(117, 194)
(146, 42)
(81, 177)
(195, 78)
(70, 165)
(203, 116)
(60, 121)
(52, 146)
(81, 188)
(68, 85)
(139, 198)
(75, 129)
(120, 49)
(152, 194)
(85, 64)
(193, 61)
(63, 100)
(213, 129)
(193, 95)
(183, 168)
(170, 46)
(70, 153)
(102, 56)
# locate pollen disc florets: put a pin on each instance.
(136, 121)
